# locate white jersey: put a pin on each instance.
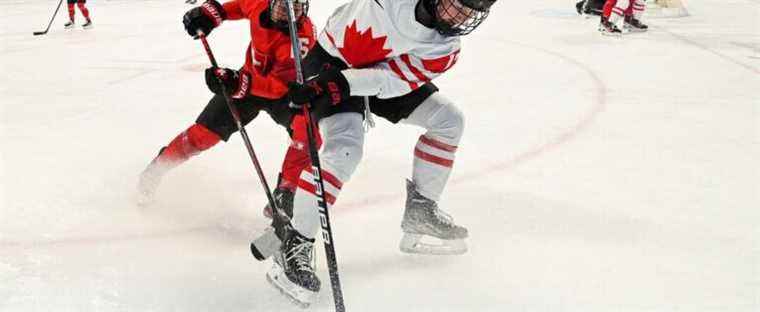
(389, 53)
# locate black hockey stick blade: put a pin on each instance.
(37, 33)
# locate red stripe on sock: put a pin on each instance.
(332, 179)
(433, 159)
(437, 144)
(309, 187)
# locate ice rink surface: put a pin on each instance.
(595, 174)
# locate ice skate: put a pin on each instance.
(87, 25)
(608, 28)
(632, 24)
(293, 270)
(579, 7)
(283, 198)
(149, 180)
(190, 1)
(423, 219)
(69, 25)
(271, 240)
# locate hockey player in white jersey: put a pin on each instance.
(384, 53)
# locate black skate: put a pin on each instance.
(579, 7)
(634, 25)
(87, 25)
(283, 198)
(69, 25)
(422, 217)
(269, 243)
(608, 28)
(190, 1)
(150, 178)
(293, 270)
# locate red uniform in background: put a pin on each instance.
(261, 84)
(628, 12)
(82, 9)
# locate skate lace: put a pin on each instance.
(443, 217)
(302, 255)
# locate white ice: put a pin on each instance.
(596, 174)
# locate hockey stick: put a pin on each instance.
(327, 237)
(37, 33)
(243, 133)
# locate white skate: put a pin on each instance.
(423, 220)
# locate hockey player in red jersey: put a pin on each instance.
(83, 9)
(384, 53)
(628, 12)
(260, 85)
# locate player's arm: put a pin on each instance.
(236, 9)
(391, 78)
(394, 77)
(211, 14)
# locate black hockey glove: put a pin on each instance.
(328, 88)
(204, 18)
(236, 83)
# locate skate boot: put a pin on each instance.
(422, 217)
(87, 25)
(283, 198)
(269, 242)
(608, 28)
(579, 7)
(149, 180)
(69, 25)
(634, 25)
(293, 270)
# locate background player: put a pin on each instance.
(83, 9)
(627, 12)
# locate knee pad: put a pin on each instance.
(443, 120)
(343, 144)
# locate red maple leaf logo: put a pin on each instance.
(360, 48)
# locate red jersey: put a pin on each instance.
(269, 58)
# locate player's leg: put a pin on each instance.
(296, 160)
(293, 269)
(85, 13)
(343, 140)
(618, 12)
(434, 156)
(215, 123)
(70, 4)
(606, 24)
(633, 16)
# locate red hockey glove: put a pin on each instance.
(237, 83)
(204, 18)
(328, 88)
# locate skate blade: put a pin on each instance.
(609, 34)
(412, 243)
(87, 27)
(301, 297)
(636, 30)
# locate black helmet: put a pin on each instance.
(279, 17)
(459, 17)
